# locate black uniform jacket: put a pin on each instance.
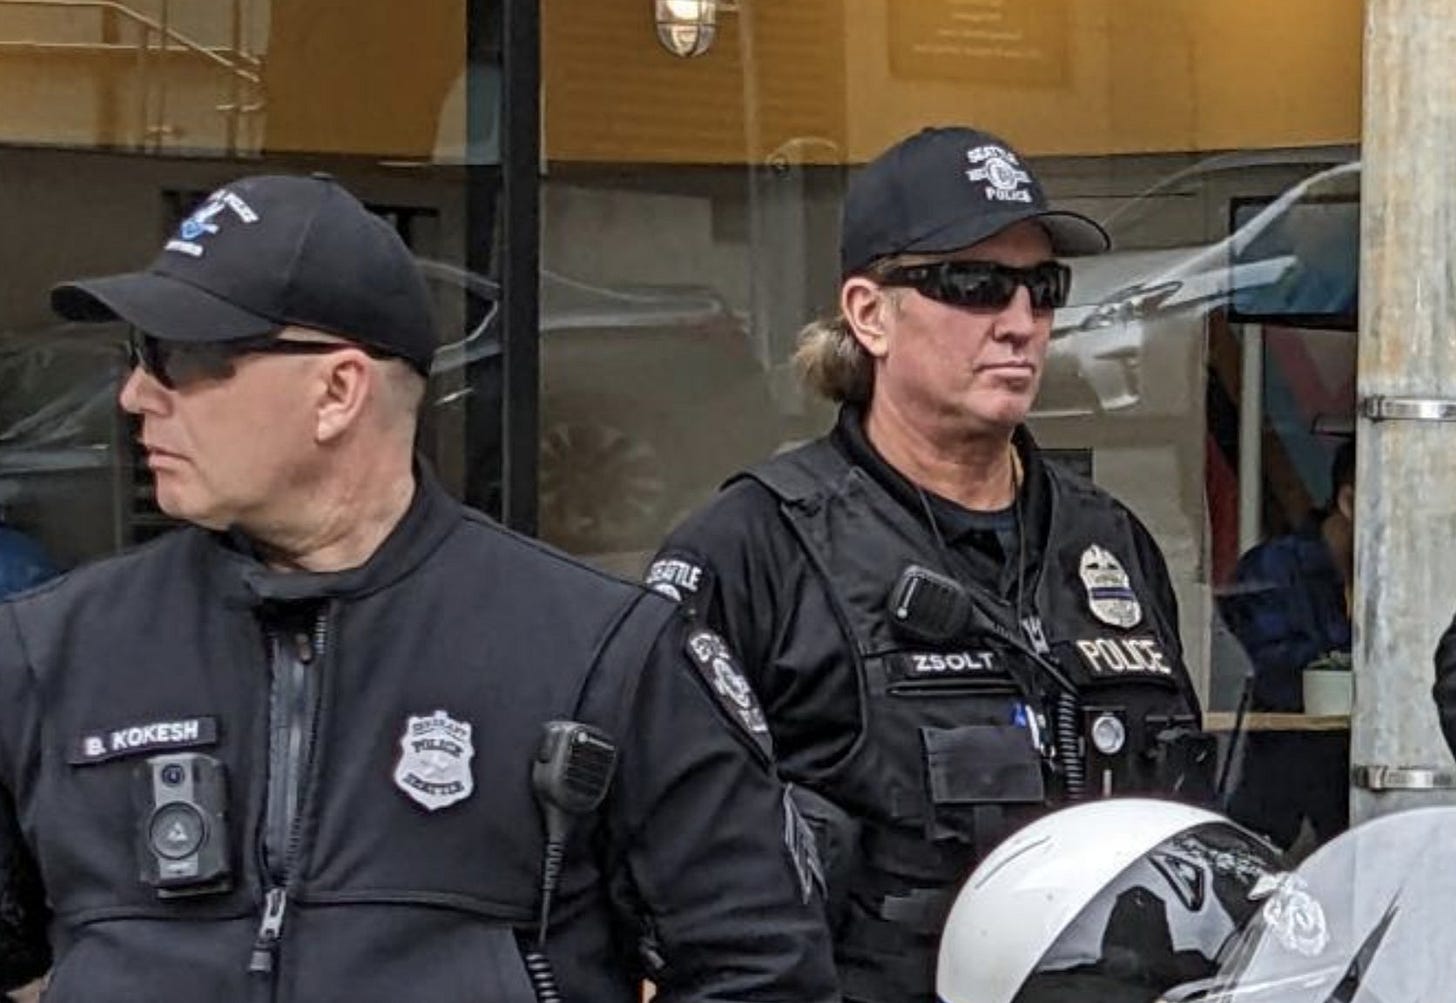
(415, 859)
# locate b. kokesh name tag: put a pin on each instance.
(148, 736)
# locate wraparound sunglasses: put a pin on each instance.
(176, 364)
(985, 284)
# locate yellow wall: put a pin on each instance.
(612, 93)
(366, 77)
(812, 80)
(1060, 76)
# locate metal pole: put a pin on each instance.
(1405, 521)
(235, 93)
(520, 260)
(484, 395)
(1251, 436)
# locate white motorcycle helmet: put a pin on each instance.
(1113, 900)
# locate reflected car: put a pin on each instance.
(1131, 336)
(650, 396)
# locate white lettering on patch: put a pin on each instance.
(951, 663)
(1117, 656)
(181, 733)
(673, 576)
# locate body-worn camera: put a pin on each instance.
(182, 845)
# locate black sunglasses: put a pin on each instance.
(177, 364)
(985, 284)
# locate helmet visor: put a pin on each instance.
(1165, 921)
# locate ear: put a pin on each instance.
(865, 305)
(346, 382)
(1345, 501)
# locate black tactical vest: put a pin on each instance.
(952, 752)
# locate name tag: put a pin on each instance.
(912, 669)
(1107, 656)
(950, 663)
(148, 736)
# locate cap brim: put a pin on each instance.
(160, 305)
(1072, 234)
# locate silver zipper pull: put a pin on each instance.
(270, 929)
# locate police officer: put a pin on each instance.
(947, 632)
(299, 750)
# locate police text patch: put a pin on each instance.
(149, 736)
(1112, 657)
(730, 688)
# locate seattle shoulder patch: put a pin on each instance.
(677, 577)
(730, 688)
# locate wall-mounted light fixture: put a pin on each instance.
(687, 27)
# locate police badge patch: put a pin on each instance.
(434, 760)
(1109, 592)
(717, 666)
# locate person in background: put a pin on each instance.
(23, 562)
(948, 633)
(1289, 608)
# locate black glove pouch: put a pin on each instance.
(970, 768)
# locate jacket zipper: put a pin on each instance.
(293, 696)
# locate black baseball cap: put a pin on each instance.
(947, 188)
(266, 252)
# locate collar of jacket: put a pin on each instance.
(850, 439)
(430, 518)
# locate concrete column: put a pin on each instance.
(1405, 524)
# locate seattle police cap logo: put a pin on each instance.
(1109, 592)
(204, 222)
(1000, 171)
(434, 760)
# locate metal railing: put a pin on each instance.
(158, 41)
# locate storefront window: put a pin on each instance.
(120, 118)
(1203, 371)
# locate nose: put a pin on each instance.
(1017, 320)
(142, 394)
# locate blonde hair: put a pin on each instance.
(832, 363)
(830, 360)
